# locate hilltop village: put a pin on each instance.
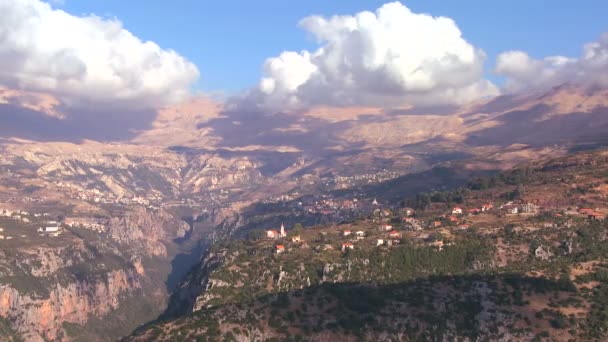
(388, 227)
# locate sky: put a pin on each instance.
(281, 56)
(229, 40)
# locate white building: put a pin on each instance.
(50, 229)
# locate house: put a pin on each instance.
(386, 227)
(512, 210)
(586, 211)
(346, 233)
(408, 211)
(49, 229)
(394, 235)
(272, 234)
(596, 216)
(453, 219)
(436, 224)
(456, 211)
(437, 244)
(346, 246)
(486, 207)
(380, 242)
(474, 211)
(296, 238)
(464, 226)
(529, 208)
(360, 233)
(279, 249)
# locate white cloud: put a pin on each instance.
(390, 57)
(86, 59)
(523, 72)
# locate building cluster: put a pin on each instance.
(274, 234)
(389, 236)
(95, 224)
(281, 234)
(46, 228)
(51, 228)
(348, 182)
(592, 214)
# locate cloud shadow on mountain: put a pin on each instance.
(244, 127)
(94, 123)
(531, 128)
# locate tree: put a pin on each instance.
(519, 191)
(423, 200)
(297, 230)
(255, 235)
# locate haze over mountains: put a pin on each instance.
(565, 115)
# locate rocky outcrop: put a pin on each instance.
(542, 253)
(41, 319)
(209, 172)
(44, 261)
(147, 230)
(117, 171)
(190, 294)
(54, 288)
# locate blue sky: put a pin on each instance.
(229, 40)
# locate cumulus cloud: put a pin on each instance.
(523, 72)
(391, 57)
(86, 59)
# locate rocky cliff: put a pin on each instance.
(55, 288)
(110, 172)
(42, 318)
(147, 230)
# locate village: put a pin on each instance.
(20, 224)
(353, 181)
(392, 227)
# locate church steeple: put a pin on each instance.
(283, 234)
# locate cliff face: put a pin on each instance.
(86, 283)
(185, 298)
(42, 319)
(147, 230)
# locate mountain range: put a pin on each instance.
(141, 195)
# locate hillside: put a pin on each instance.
(462, 264)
